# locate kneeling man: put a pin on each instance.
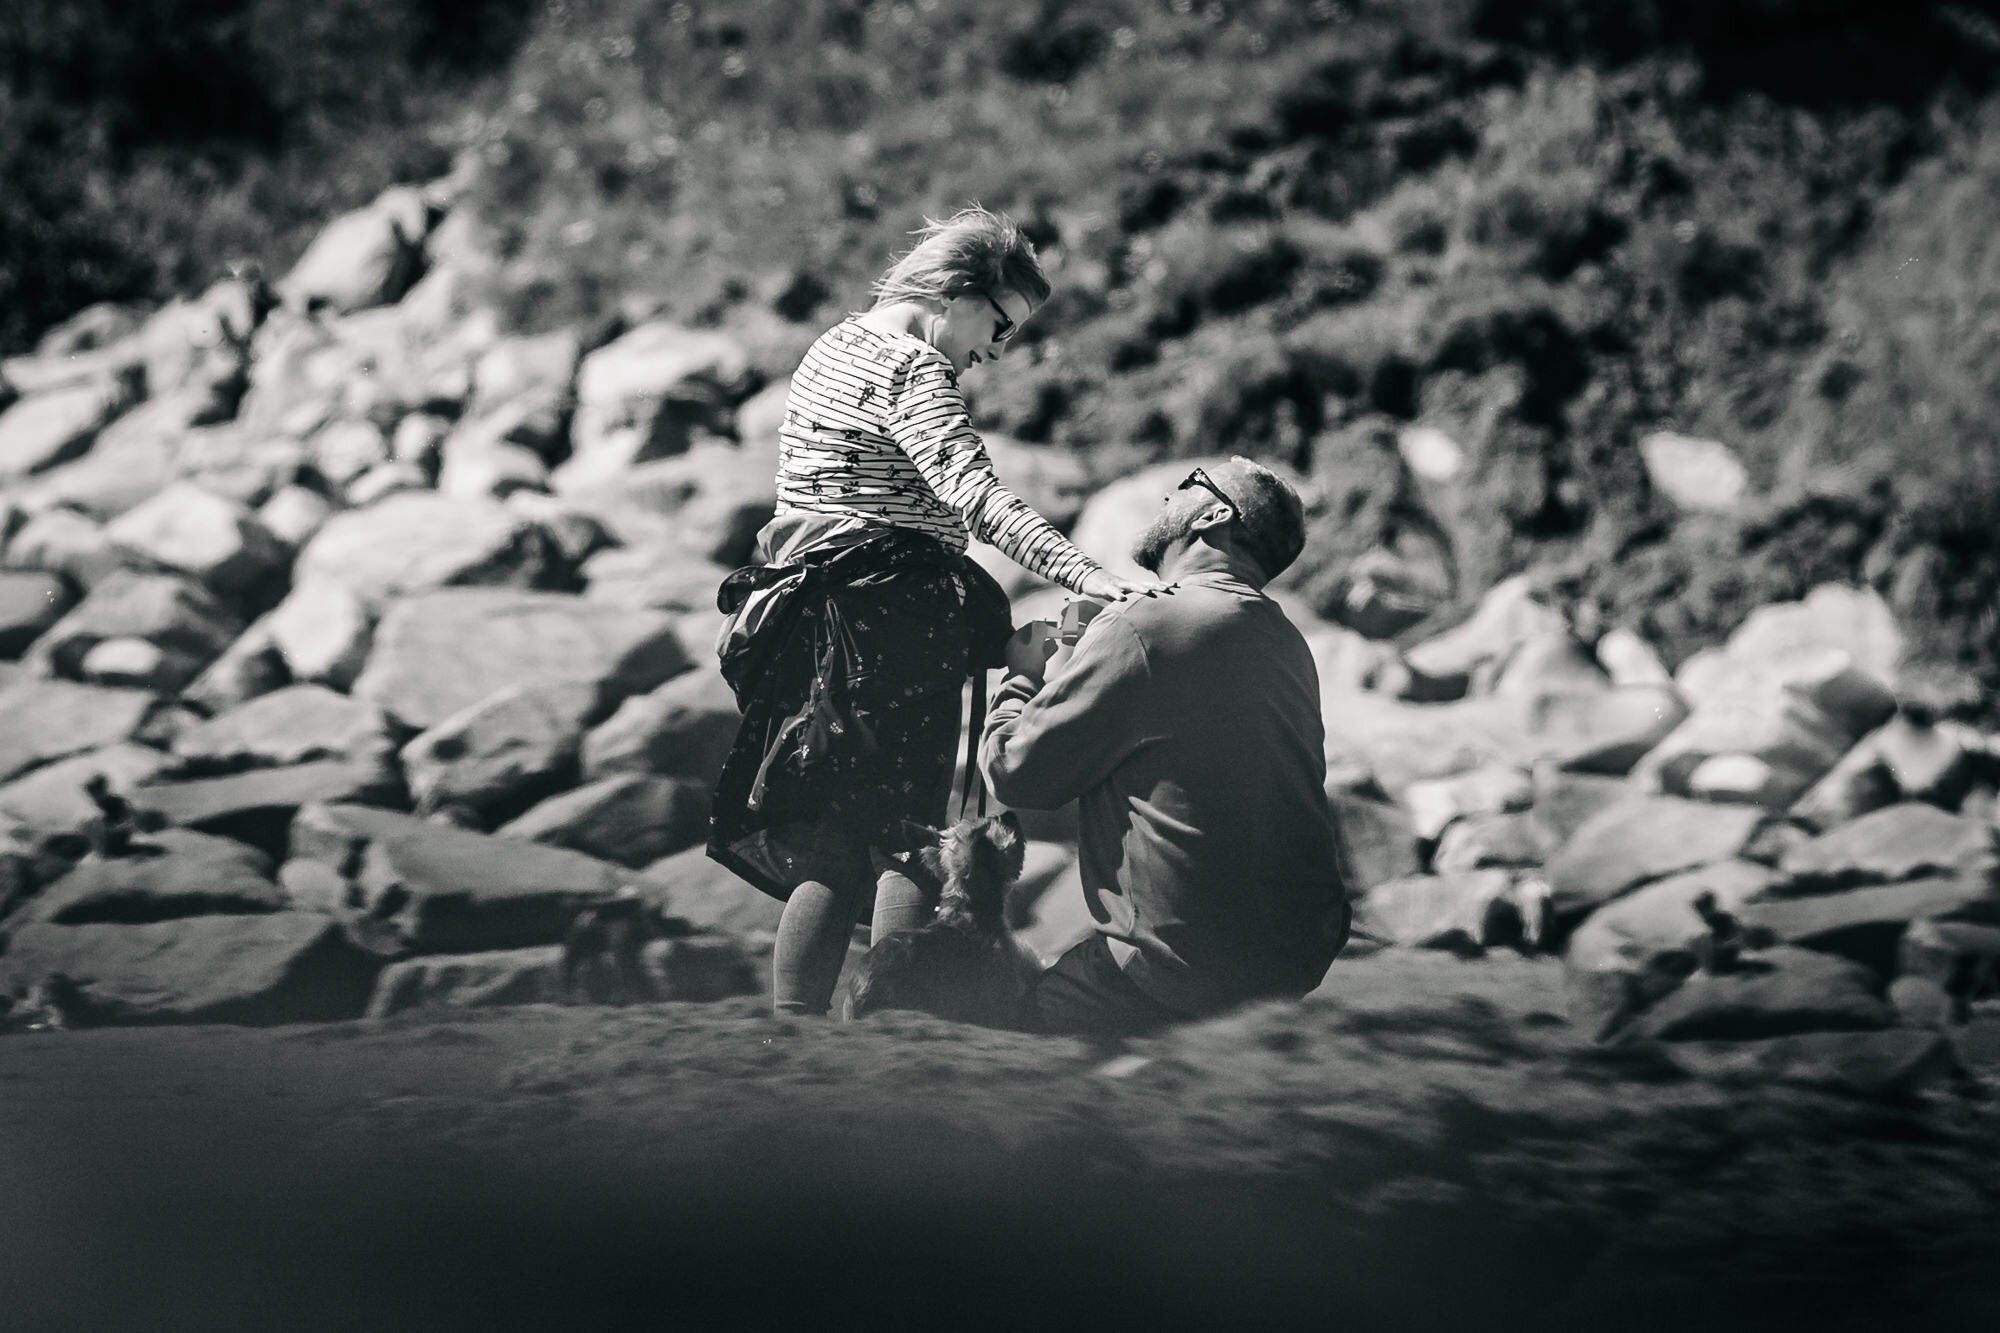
(1187, 727)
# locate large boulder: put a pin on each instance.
(1482, 841)
(168, 875)
(439, 652)
(1641, 839)
(478, 469)
(685, 728)
(1776, 993)
(51, 799)
(709, 502)
(275, 967)
(174, 614)
(288, 726)
(1795, 687)
(1868, 924)
(523, 394)
(1451, 911)
(214, 541)
(30, 602)
(45, 429)
(1902, 841)
(499, 755)
(663, 577)
(1629, 951)
(256, 807)
(694, 887)
(1510, 615)
(424, 887)
(1698, 476)
(249, 668)
(132, 459)
(62, 541)
(293, 513)
(1490, 789)
(446, 982)
(45, 720)
(416, 542)
(644, 395)
(368, 257)
(322, 632)
(1564, 801)
(633, 820)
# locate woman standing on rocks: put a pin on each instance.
(849, 648)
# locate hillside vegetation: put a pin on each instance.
(1544, 227)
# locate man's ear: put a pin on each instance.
(1217, 515)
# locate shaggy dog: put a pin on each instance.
(963, 965)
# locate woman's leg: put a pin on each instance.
(819, 917)
(812, 944)
(905, 898)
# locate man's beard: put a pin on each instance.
(1151, 546)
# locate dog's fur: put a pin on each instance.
(964, 965)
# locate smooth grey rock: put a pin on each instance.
(412, 543)
(45, 720)
(276, 967)
(212, 540)
(52, 427)
(62, 541)
(505, 751)
(684, 728)
(425, 887)
(1780, 992)
(1466, 910)
(257, 806)
(1868, 923)
(1897, 842)
(633, 820)
(363, 258)
(288, 726)
(1642, 839)
(1483, 841)
(30, 602)
(322, 631)
(442, 651)
(51, 799)
(690, 885)
(169, 874)
(180, 617)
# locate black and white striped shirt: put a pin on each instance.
(876, 429)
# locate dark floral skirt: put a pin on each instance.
(854, 717)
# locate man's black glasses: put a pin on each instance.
(1200, 478)
(1005, 328)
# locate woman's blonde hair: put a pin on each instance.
(973, 250)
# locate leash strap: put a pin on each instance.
(975, 724)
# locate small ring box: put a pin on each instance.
(1075, 616)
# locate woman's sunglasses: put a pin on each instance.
(1005, 329)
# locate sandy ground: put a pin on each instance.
(1424, 1146)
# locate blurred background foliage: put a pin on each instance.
(1285, 227)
